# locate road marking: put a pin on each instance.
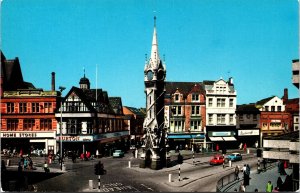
(147, 187)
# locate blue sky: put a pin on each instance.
(253, 41)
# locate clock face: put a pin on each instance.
(149, 75)
(160, 75)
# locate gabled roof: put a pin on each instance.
(116, 105)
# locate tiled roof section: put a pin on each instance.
(116, 105)
(208, 82)
(293, 136)
(293, 101)
(263, 101)
(247, 108)
(135, 111)
(183, 87)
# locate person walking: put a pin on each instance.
(279, 182)
(236, 172)
(242, 188)
(269, 187)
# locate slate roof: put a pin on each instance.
(136, 111)
(263, 101)
(12, 75)
(183, 87)
(247, 108)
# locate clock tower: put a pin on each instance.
(154, 140)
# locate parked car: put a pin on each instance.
(217, 160)
(235, 157)
(118, 153)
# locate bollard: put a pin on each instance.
(129, 164)
(63, 167)
(91, 185)
(248, 151)
(179, 172)
(99, 182)
(230, 164)
(170, 177)
(258, 166)
(8, 162)
(136, 153)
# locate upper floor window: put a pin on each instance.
(176, 98)
(279, 108)
(35, 107)
(210, 118)
(45, 124)
(195, 125)
(195, 97)
(28, 124)
(195, 110)
(10, 107)
(266, 108)
(220, 102)
(22, 107)
(231, 118)
(210, 102)
(178, 110)
(230, 102)
(12, 124)
(273, 108)
(221, 118)
(48, 107)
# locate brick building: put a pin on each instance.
(185, 114)
(27, 113)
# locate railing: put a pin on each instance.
(225, 181)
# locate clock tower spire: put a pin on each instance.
(154, 146)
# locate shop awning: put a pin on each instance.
(216, 138)
(229, 138)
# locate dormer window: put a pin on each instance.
(195, 97)
(176, 98)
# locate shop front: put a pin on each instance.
(180, 141)
(222, 140)
(250, 137)
(28, 141)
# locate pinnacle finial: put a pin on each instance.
(154, 21)
(83, 72)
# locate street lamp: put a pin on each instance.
(61, 88)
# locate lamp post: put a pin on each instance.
(61, 88)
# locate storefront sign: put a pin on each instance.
(75, 138)
(27, 134)
(221, 133)
(248, 132)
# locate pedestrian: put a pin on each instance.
(242, 187)
(245, 147)
(269, 187)
(46, 168)
(256, 144)
(264, 164)
(217, 147)
(236, 172)
(279, 182)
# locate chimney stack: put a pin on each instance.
(285, 96)
(53, 81)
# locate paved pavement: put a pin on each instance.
(260, 180)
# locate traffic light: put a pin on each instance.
(97, 169)
(258, 152)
